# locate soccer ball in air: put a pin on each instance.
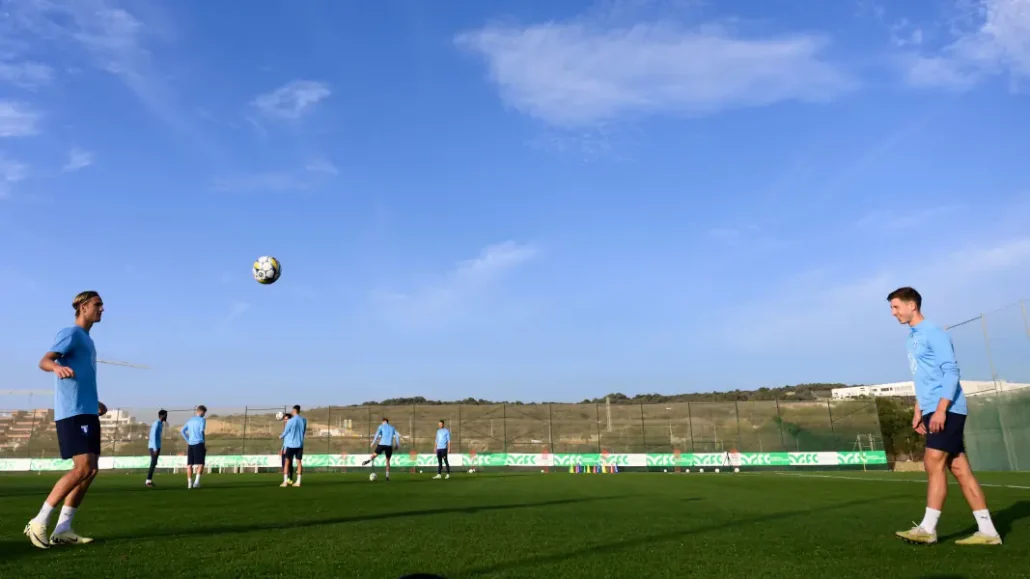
(267, 270)
(372, 477)
(279, 415)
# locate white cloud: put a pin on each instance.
(889, 219)
(443, 298)
(991, 38)
(293, 99)
(312, 175)
(958, 284)
(109, 38)
(17, 120)
(28, 75)
(582, 73)
(10, 172)
(78, 159)
(322, 166)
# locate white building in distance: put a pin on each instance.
(970, 387)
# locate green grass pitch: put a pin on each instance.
(837, 525)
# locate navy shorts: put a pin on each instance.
(441, 453)
(949, 440)
(385, 449)
(195, 454)
(78, 434)
(294, 453)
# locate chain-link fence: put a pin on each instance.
(698, 427)
(997, 345)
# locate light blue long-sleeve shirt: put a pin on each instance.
(193, 430)
(443, 439)
(385, 435)
(293, 434)
(156, 429)
(931, 358)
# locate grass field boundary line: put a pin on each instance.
(872, 479)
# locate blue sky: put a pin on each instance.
(509, 200)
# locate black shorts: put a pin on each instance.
(78, 434)
(441, 453)
(294, 453)
(949, 440)
(385, 449)
(195, 454)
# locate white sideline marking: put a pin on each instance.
(864, 478)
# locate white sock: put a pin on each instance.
(930, 520)
(298, 478)
(44, 514)
(64, 521)
(286, 478)
(983, 520)
(196, 479)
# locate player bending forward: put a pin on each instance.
(443, 448)
(156, 430)
(940, 415)
(77, 411)
(388, 439)
(196, 451)
(293, 445)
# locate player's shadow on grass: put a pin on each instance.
(648, 540)
(1003, 521)
(12, 549)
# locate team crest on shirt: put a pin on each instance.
(85, 429)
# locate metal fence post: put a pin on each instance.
(736, 407)
(690, 427)
(329, 430)
(246, 412)
(459, 429)
(833, 432)
(597, 413)
(643, 430)
(504, 428)
(550, 435)
(779, 423)
(32, 434)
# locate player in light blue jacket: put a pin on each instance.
(293, 445)
(154, 443)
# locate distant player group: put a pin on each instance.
(940, 415)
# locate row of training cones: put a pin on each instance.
(597, 469)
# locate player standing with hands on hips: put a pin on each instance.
(77, 411)
(940, 415)
(443, 448)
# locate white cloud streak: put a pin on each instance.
(438, 301)
(78, 159)
(583, 73)
(292, 100)
(313, 175)
(18, 119)
(997, 42)
(11, 172)
(796, 317)
(26, 75)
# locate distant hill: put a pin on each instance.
(799, 392)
